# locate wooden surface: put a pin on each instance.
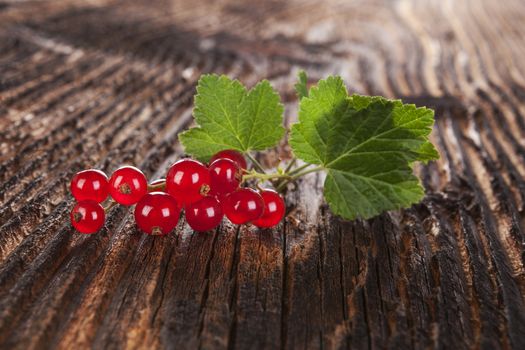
(103, 83)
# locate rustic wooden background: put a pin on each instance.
(104, 83)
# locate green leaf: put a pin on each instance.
(427, 152)
(366, 145)
(301, 86)
(231, 117)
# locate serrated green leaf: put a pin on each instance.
(366, 145)
(427, 152)
(230, 117)
(301, 86)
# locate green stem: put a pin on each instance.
(110, 205)
(302, 173)
(290, 165)
(286, 171)
(297, 175)
(158, 186)
(281, 186)
(264, 177)
(255, 163)
(287, 178)
(302, 167)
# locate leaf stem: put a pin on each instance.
(302, 173)
(287, 178)
(297, 175)
(264, 177)
(290, 165)
(255, 163)
(302, 167)
(286, 171)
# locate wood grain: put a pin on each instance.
(106, 83)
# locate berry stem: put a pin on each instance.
(157, 186)
(110, 205)
(255, 163)
(264, 177)
(280, 187)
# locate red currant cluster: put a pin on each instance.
(205, 193)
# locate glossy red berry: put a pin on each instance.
(90, 184)
(205, 214)
(274, 209)
(128, 185)
(243, 206)
(87, 216)
(231, 154)
(188, 181)
(157, 213)
(225, 176)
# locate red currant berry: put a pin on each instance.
(225, 176)
(205, 214)
(90, 184)
(157, 213)
(243, 205)
(87, 216)
(231, 154)
(274, 209)
(128, 185)
(188, 181)
(158, 185)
